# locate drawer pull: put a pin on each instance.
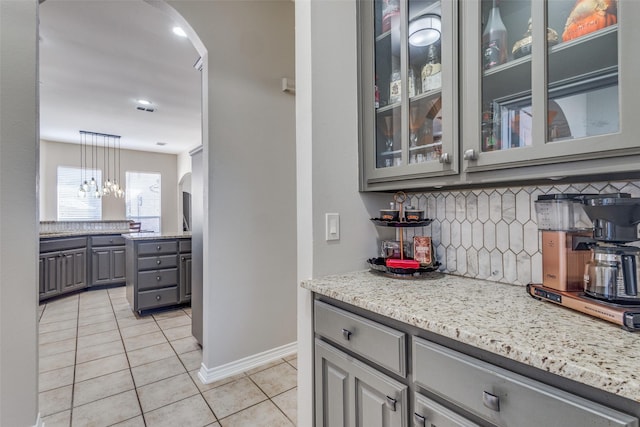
(158, 262)
(419, 420)
(158, 278)
(183, 258)
(491, 401)
(391, 403)
(158, 247)
(346, 334)
(158, 297)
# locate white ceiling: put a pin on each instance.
(98, 57)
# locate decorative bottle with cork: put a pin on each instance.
(494, 39)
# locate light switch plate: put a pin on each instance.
(332, 226)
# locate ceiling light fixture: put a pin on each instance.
(425, 30)
(179, 32)
(111, 149)
(144, 102)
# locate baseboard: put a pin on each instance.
(39, 422)
(209, 375)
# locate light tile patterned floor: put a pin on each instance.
(102, 365)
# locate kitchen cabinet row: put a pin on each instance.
(370, 373)
(72, 263)
(485, 91)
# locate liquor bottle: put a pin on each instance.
(412, 83)
(390, 10)
(494, 39)
(395, 87)
(431, 76)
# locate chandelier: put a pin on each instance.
(110, 153)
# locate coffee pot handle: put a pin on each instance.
(629, 275)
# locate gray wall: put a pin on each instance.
(249, 165)
(18, 213)
(54, 154)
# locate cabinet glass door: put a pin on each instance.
(389, 83)
(506, 113)
(582, 69)
(408, 69)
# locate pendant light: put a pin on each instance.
(111, 150)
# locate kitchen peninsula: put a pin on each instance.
(482, 349)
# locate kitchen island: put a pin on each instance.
(158, 269)
(489, 321)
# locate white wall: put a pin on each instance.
(54, 154)
(327, 146)
(18, 213)
(249, 164)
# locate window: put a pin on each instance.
(143, 199)
(71, 206)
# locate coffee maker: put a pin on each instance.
(613, 271)
(609, 265)
(564, 227)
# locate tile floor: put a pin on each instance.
(101, 365)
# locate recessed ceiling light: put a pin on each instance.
(161, 143)
(144, 102)
(179, 32)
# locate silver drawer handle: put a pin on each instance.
(158, 297)
(491, 401)
(158, 262)
(158, 247)
(183, 258)
(346, 334)
(158, 278)
(391, 403)
(419, 420)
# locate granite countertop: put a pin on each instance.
(82, 233)
(502, 319)
(158, 236)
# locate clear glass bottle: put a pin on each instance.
(494, 39)
(431, 71)
(412, 83)
(395, 86)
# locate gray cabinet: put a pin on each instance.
(350, 393)
(185, 277)
(358, 383)
(107, 260)
(153, 273)
(62, 266)
(502, 397)
(560, 106)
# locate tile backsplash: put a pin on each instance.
(492, 233)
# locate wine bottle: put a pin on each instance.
(431, 76)
(494, 39)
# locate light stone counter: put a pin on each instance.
(157, 236)
(81, 233)
(502, 319)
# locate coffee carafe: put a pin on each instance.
(613, 271)
(565, 227)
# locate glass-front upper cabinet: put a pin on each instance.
(548, 81)
(409, 90)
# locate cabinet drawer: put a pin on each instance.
(503, 397)
(159, 247)
(107, 240)
(428, 413)
(157, 278)
(62, 244)
(156, 262)
(378, 343)
(184, 245)
(157, 298)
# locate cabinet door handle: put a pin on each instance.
(391, 403)
(445, 158)
(158, 297)
(183, 258)
(346, 334)
(491, 401)
(158, 247)
(158, 262)
(419, 420)
(158, 278)
(470, 154)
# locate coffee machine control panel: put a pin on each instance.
(550, 296)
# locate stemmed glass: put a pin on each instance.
(416, 120)
(387, 130)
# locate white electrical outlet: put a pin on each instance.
(332, 226)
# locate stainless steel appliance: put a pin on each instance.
(610, 276)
